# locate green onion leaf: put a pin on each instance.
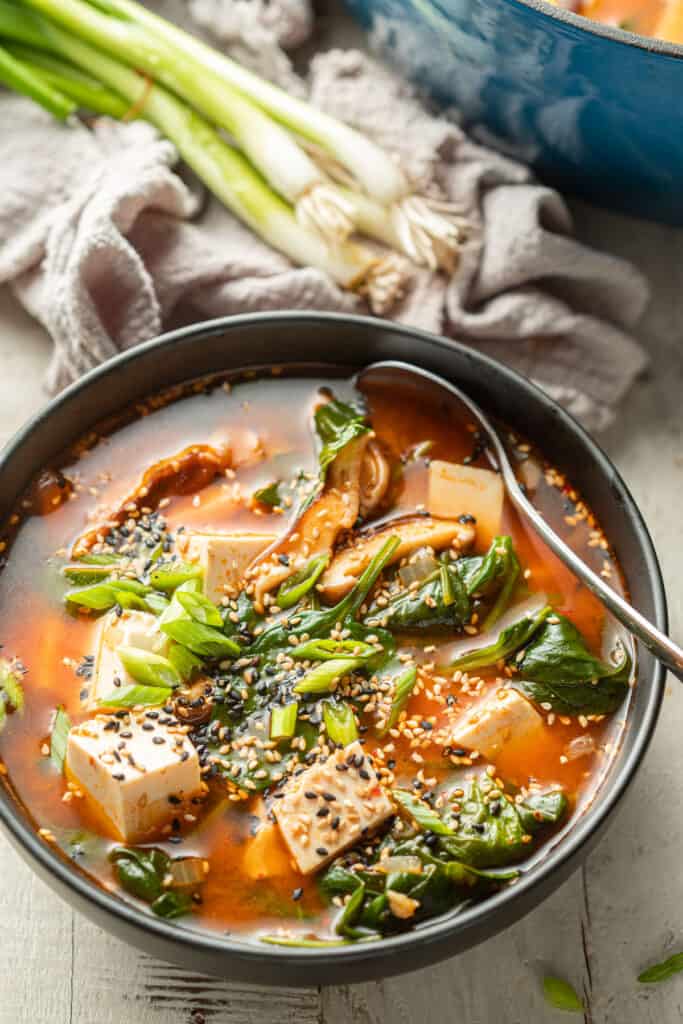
(91, 559)
(269, 495)
(403, 687)
(322, 678)
(184, 662)
(205, 641)
(170, 575)
(174, 610)
(85, 574)
(134, 695)
(157, 603)
(61, 725)
(421, 813)
(340, 722)
(283, 720)
(326, 650)
(148, 668)
(200, 609)
(660, 972)
(561, 995)
(298, 585)
(98, 597)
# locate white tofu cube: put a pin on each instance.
(330, 806)
(137, 771)
(225, 558)
(502, 717)
(131, 629)
(456, 490)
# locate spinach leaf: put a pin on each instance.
(540, 809)
(558, 669)
(509, 640)
(491, 832)
(172, 904)
(297, 586)
(59, 734)
(440, 601)
(336, 424)
(484, 833)
(437, 884)
(318, 623)
(140, 871)
(256, 773)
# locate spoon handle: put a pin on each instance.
(662, 646)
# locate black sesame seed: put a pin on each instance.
(297, 893)
(322, 851)
(158, 739)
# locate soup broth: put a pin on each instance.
(237, 757)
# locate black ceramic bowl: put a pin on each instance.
(261, 340)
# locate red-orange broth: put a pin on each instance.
(266, 420)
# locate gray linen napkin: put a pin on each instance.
(107, 245)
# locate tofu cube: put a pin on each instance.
(131, 629)
(137, 778)
(225, 558)
(456, 490)
(501, 718)
(330, 806)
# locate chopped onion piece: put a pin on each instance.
(187, 873)
(580, 746)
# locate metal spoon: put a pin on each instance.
(663, 648)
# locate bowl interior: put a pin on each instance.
(294, 338)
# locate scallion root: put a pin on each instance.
(430, 231)
(324, 209)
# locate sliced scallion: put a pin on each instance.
(283, 720)
(200, 609)
(403, 687)
(205, 641)
(148, 668)
(61, 724)
(136, 695)
(322, 678)
(170, 575)
(340, 722)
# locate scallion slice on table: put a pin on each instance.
(222, 168)
(267, 125)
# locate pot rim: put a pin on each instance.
(615, 34)
(50, 862)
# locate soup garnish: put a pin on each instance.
(294, 668)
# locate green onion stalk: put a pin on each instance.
(222, 168)
(266, 123)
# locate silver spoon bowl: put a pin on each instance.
(661, 645)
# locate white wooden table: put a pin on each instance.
(623, 910)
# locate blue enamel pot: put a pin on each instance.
(595, 110)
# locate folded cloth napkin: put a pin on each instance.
(107, 245)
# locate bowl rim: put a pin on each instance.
(598, 28)
(51, 862)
